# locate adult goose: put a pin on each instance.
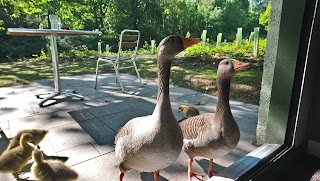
(153, 142)
(213, 135)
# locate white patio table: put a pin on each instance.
(53, 33)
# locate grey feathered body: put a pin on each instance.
(152, 142)
(148, 144)
(213, 135)
(209, 138)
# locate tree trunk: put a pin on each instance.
(134, 15)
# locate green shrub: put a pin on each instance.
(146, 48)
(226, 50)
(262, 48)
(203, 51)
(16, 47)
(83, 52)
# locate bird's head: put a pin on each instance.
(41, 133)
(37, 155)
(182, 108)
(171, 45)
(26, 138)
(228, 67)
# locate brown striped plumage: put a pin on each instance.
(192, 128)
(213, 135)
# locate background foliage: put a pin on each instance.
(154, 18)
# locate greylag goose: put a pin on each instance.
(188, 111)
(14, 160)
(153, 142)
(38, 136)
(213, 135)
(50, 170)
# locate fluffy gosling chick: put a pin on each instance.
(38, 135)
(12, 161)
(188, 111)
(51, 170)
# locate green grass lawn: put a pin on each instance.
(24, 72)
(186, 72)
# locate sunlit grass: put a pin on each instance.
(191, 74)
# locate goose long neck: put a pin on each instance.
(223, 85)
(164, 76)
(163, 107)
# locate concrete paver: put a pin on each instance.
(82, 132)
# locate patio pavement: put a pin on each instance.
(82, 131)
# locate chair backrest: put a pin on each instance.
(129, 39)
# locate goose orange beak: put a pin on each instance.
(188, 42)
(238, 66)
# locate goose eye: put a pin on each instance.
(172, 39)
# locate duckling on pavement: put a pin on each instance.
(13, 160)
(38, 136)
(51, 170)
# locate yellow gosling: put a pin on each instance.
(188, 111)
(14, 160)
(51, 170)
(38, 136)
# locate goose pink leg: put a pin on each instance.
(156, 175)
(193, 176)
(210, 169)
(121, 176)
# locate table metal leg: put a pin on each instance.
(55, 63)
(72, 93)
(50, 97)
(57, 83)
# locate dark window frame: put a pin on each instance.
(271, 156)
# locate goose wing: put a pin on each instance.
(193, 126)
(198, 131)
(132, 137)
(131, 127)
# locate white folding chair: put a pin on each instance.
(128, 39)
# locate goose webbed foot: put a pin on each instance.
(195, 177)
(211, 173)
(20, 176)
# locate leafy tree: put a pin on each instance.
(154, 18)
(264, 17)
(233, 16)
